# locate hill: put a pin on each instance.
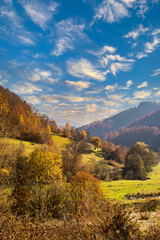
(19, 120)
(122, 119)
(145, 129)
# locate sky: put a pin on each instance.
(81, 60)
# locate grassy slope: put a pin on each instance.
(29, 146)
(118, 189)
(96, 154)
(60, 142)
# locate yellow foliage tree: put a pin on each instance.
(48, 128)
(44, 165)
(83, 134)
(68, 127)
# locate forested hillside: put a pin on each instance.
(145, 129)
(19, 120)
(122, 119)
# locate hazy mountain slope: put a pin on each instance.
(150, 120)
(145, 129)
(122, 119)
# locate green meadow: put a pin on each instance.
(118, 189)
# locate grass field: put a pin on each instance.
(95, 156)
(118, 189)
(60, 142)
(29, 146)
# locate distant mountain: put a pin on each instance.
(150, 120)
(122, 119)
(145, 129)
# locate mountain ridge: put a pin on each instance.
(122, 119)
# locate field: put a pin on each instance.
(29, 146)
(59, 141)
(118, 189)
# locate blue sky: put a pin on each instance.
(81, 60)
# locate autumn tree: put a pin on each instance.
(6, 121)
(72, 158)
(44, 165)
(67, 130)
(33, 176)
(96, 141)
(83, 134)
(86, 192)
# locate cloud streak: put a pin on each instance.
(80, 85)
(85, 69)
(67, 33)
(137, 32)
(40, 13)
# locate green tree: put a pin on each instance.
(134, 167)
(139, 161)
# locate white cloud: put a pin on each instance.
(113, 10)
(12, 16)
(129, 83)
(143, 85)
(3, 81)
(137, 32)
(113, 58)
(156, 72)
(156, 32)
(16, 30)
(142, 94)
(157, 94)
(80, 85)
(91, 107)
(151, 46)
(142, 8)
(103, 50)
(32, 99)
(25, 88)
(56, 70)
(111, 88)
(38, 12)
(116, 67)
(54, 98)
(115, 97)
(43, 76)
(83, 68)
(67, 33)
(25, 40)
(141, 55)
